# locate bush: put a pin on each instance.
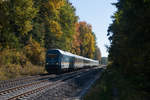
(2, 73)
(15, 64)
(113, 85)
(30, 69)
(8, 56)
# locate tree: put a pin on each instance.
(97, 55)
(86, 39)
(49, 11)
(130, 40)
(16, 21)
(76, 41)
(68, 19)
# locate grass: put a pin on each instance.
(14, 64)
(99, 90)
(15, 71)
(114, 85)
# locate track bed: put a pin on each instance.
(71, 85)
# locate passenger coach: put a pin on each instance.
(58, 60)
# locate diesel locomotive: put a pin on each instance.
(58, 61)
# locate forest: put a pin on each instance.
(30, 27)
(128, 71)
(129, 35)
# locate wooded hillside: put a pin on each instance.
(29, 27)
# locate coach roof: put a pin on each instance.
(73, 55)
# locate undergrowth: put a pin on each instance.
(15, 63)
(113, 85)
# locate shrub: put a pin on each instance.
(30, 69)
(8, 56)
(15, 64)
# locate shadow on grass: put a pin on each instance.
(114, 86)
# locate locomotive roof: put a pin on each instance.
(73, 55)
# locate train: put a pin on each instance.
(59, 61)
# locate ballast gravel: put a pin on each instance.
(69, 90)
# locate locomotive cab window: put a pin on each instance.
(52, 56)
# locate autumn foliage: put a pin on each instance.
(84, 40)
(29, 27)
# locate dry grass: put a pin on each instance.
(14, 71)
(14, 64)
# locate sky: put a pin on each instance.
(97, 13)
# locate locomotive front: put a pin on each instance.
(52, 61)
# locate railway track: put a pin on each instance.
(27, 90)
(22, 81)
